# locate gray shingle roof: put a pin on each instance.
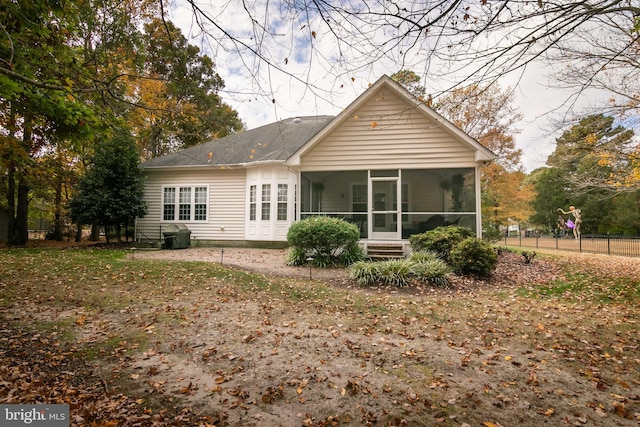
(275, 141)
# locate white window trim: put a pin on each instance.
(177, 188)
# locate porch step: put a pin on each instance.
(381, 251)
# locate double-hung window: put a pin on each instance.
(200, 204)
(252, 203)
(185, 203)
(184, 209)
(283, 195)
(169, 204)
(266, 202)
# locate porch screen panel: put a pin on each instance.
(437, 197)
(340, 194)
(331, 193)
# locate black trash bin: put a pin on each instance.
(177, 236)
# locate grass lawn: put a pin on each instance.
(153, 343)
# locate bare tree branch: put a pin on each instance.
(455, 42)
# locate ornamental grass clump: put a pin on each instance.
(420, 267)
(325, 241)
(395, 272)
(434, 271)
(364, 272)
(423, 256)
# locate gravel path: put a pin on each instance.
(265, 261)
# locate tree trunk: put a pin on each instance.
(58, 234)
(78, 233)
(22, 213)
(11, 204)
(95, 232)
(11, 184)
(21, 232)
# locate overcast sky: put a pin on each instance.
(301, 84)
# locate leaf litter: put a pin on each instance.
(154, 343)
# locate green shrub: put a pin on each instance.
(491, 233)
(473, 257)
(440, 240)
(329, 241)
(296, 256)
(351, 254)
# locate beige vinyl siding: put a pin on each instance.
(226, 202)
(388, 133)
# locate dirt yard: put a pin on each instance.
(264, 261)
(184, 346)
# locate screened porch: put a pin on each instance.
(392, 204)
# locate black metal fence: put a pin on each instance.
(592, 243)
(148, 234)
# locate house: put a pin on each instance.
(388, 163)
